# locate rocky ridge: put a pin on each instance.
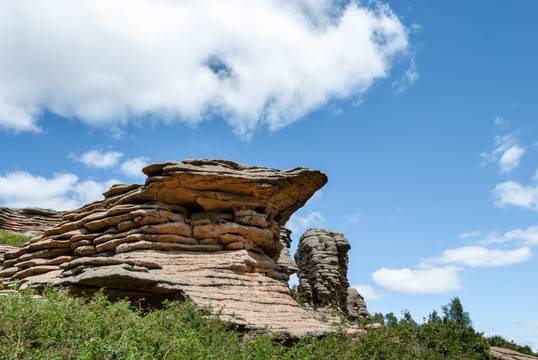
(209, 230)
(28, 221)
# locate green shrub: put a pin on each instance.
(8, 238)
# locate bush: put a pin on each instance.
(8, 238)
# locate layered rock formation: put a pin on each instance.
(285, 259)
(322, 260)
(28, 221)
(4, 249)
(208, 230)
(356, 306)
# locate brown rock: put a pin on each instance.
(28, 221)
(356, 306)
(285, 259)
(322, 261)
(203, 229)
(505, 354)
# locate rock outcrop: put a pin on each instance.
(4, 249)
(208, 230)
(285, 259)
(505, 354)
(28, 221)
(356, 306)
(322, 261)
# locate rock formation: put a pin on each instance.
(506, 354)
(285, 259)
(28, 221)
(4, 249)
(356, 306)
(208, 230)
(322, 260)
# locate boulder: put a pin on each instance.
(356, 306)
(209, 230)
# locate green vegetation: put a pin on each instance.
(500, 342)
(8, 238)
(59, 326)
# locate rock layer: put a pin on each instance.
(208, 230)
(28, 221)
(356, 306)
(285, 259)
(506, 354)
(322, 260)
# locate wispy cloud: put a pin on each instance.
(354, 218)
(98, 159)
(501, 122)
(479, 256)
(408, 78)
(133, 167)
(470, 234)
(258, 63)
(429, 280)
(507, 153)
(369, 293)
(59, 192)
(299, 224)
(526, 324)
(526, 237)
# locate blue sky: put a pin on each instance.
(423, 115)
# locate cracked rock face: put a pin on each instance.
(322, 261)
(356, 306)
(209, 230)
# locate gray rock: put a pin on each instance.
(356, 306)
(285, 259)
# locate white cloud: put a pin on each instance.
(408, 78)
(515, 194)
(354, 218)
(511, 158)
(61, 192)
(369, 293)
(501, 122)
(526, 237)
(478, 256)
(526, 324)
(97, 159)
(507, 152)
(297, 224)
(133, 167)
(256, 63)
(470, 234)
(427, 280)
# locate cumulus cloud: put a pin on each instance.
(515, 194)
(426, 280)
(507, 152)
(98, 159)
(478, 256)
(369, 293)
(298, 224)
(255, 63)
(133, 167)
(60, 192)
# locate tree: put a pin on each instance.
(454, 311)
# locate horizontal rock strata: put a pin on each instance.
(285, 259)
(322, 260)
(28, 221)
(506, 354)
(208, 230)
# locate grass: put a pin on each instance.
(59, 326)
(8, 238)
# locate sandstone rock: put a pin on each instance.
(505, 354)
(208, 230)
(356, 306)
(4, 249)
(285, 259)
(28, 221)
(322, 261)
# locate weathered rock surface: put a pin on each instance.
(28, 221)
(505, 354)
(322, 261)
(356, 306)
(4, 249)
(208, 230)
(285, 259)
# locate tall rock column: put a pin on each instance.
(322, 260)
